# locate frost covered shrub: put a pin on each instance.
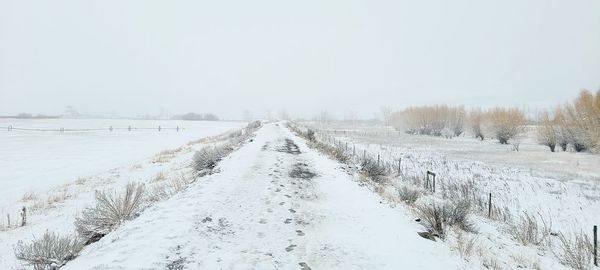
(50, 251)
(310, 135)
(373, 169)
(207, 158)
(530, 230)
(110, 211)
(433, 218)
(167, 189)
(254, 125)
(335, 152)
(437, 217)
(409, 196)
(576, 252)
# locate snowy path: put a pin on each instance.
(254, 214)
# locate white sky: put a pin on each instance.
(302, 56)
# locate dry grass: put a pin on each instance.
(159, 177)
(408, 195)
(531, 230)
(576, 251)
(464, 245)
(81, 181)
(137, 167)
(167, 189)
(29, 196)
(166, 155)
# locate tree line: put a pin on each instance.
(573, 126)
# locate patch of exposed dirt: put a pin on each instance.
(301, 171)
(289, 147)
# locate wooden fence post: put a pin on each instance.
(595, 245)
(490, 206)
(377, 160)
(433, 182)
(399, 166)
(23, 216)
(159, 128)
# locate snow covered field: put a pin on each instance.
(560, 190)
(32, 161)
(275, 203)
(55, 174)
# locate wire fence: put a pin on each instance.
(109, 129)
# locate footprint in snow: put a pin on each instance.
(299, 233)
(206, 219)
(304, 266)
(290, 247)
(292, 210)
(288, 221)
(263, 221)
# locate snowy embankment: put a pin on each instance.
(537, 196)
(275, 204)
(55, 175)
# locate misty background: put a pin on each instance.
(131, 58)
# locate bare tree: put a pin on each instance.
(547, 131)
(506, 123)
(476, 122)
(386, 114)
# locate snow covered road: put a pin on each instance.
(276, 204)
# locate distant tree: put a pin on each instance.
(24, 115)
(437, 120)
(547, 131)
(386, 115)
(476, 121)
(506, 123)
(192, 117)
(323, 118)
(210, 117)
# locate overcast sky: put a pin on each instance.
(302, 56)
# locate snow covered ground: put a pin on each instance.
(55, 175)
(561, 188)
(276, 204)
(265, 210)
(32, 161)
